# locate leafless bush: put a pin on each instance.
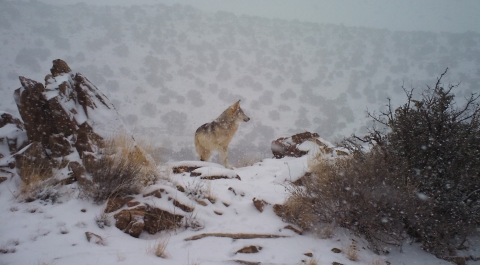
(438, 142)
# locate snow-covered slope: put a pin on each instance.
(42, 232)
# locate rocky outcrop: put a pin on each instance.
(297, 146)
(64, 118)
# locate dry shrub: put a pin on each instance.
(437, 143)
(356, 192)
(120, 168)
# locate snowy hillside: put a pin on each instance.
(224, 221)
(169, 69)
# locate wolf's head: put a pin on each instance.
(238, 112)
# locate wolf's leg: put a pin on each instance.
(202, 153)
(224, 157)
(205, 156)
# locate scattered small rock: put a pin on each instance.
(184, 207)
(216, 177)
(298, 231)
(83, 210)
(336, 250)
(155, 193)
(203, 203)
(182, 169)
(336, 263)
(249, 250)
(131, 204)
(92, 237)
(247, 262)
(226, 204)
(212, 200)
(259, 204)
(180, 188)
(2, 179)
(308, 254)
(218, 212)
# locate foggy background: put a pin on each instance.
(408, 15)
(170, 66)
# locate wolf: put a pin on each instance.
(216, 135)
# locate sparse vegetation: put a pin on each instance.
(121, 168)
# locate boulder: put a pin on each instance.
(301, 144)
(288, 146)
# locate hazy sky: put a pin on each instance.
(430, 15)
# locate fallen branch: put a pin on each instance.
(233, 236)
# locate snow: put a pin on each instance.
(44, 233)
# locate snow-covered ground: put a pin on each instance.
(42, 232)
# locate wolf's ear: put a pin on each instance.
(236, 105)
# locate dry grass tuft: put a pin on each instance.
(158, 248)
(121, 168)
(36, 185)
(352, 251)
